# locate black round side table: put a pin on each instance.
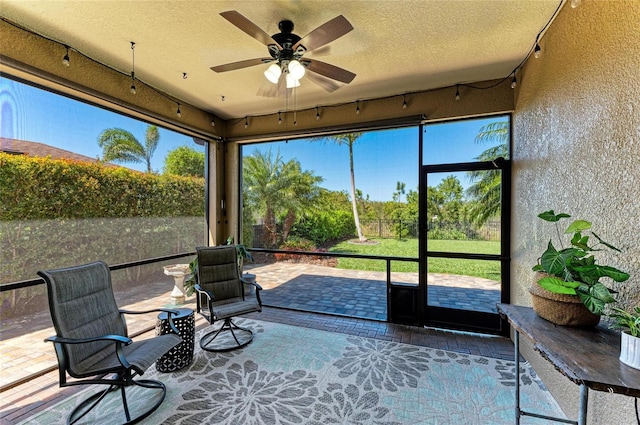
(182, 354)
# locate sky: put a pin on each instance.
(381, 158)
(69, 124)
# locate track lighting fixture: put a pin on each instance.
(317, 113)
(65, 59)
(279, 118)
(184, 75)
(404, 102)
(213, 122)
(132, 89)
(246, 122)
(357, 107)
(514, 81)
(537, 51)
(178, 113)
(457, 92)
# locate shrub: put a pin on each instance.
(447, 234)
(323, 226)
(297, 244)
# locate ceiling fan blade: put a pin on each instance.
(268, 89)
(321, 51)
(249, 27)
(241, 64)
(326, 83)
(325, 33)
(330, 71)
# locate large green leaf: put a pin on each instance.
(613, 273)
(554, 262)
(594, 305)
(558, 286)
(578, 226)
(595, 297)
(602, 293)
(588, 273)
(580, 241)
(551, 216)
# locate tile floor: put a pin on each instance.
(20, 359)
(20, 402)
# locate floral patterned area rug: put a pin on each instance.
(295, 375)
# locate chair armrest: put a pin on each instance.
(258, 287)
(199, 290)
(116, 338)
(119, 340)
(253, 285)
(161, 310)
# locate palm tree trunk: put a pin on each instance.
(289, 220)
(270, 227)
(354, 204)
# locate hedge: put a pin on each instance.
(55, 213)
(34, 188)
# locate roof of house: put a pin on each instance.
(23, 147)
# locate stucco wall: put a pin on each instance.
(577, 150)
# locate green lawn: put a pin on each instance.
(409, 248)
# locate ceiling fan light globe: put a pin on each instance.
(296, 69)
(292, 82)
(273, 73)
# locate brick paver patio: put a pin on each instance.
(313, 288)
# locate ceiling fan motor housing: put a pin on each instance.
(285, 38)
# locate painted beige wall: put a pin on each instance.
(577, 150)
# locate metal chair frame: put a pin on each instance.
(209, 307)
(118, 374)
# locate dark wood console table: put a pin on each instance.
(587, 356)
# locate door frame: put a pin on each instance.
(466, 320)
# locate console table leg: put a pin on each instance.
(516, 346)
(584, 401)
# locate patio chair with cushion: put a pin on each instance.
(92, 345)
(222, 295)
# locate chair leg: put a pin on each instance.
(79, 412)
(241, 337)
(92, 401)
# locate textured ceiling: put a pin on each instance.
(396, 47)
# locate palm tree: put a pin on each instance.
(275, 188)
(397, 195)
(120, 145)
(349, 139)
(486, 187)
(300, 196)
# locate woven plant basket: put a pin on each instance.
(561, 309)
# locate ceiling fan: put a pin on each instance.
(286, 51)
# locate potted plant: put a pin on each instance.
(568, 290)
(629, 323)
(243, 254)
(191, 280)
